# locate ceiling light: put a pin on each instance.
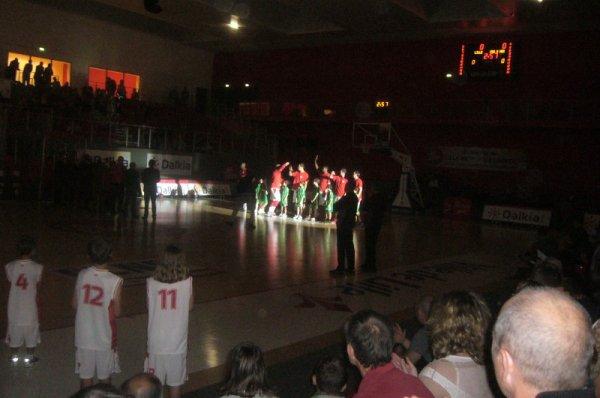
(247, 85)
(448, 75)
(226, 85)
(234, 22)
(41, 49)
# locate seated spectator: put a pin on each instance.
(369, 343)
(416, 341)
(458, 324)
(595, 366)
(100, 390)
(330, 377)
(143, 385)
(542, 346)
(247, 373)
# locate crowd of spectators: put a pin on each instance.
(541, 343)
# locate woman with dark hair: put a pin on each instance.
(246, 373)
(458, 325)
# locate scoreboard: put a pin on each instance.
(486, 60)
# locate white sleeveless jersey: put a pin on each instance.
(95, 322)
(168, 315)
(24, 276)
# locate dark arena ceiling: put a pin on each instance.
(269, 24)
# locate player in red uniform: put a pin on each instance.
(275, 192)
(358, 190)
(340, 182)
(299, 182)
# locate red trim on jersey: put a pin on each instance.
(359, 184)
(113, 324)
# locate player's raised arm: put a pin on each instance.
(317, 162)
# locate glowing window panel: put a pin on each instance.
(61, 70)
(485, 60)
(97, 79)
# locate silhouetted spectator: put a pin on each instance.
(27, 69)
(55, 83)
(346, 219)
(542, 346)
(38, 75)
(150, 179)
(135, 95)
(374, 207)
(132, 191)
(111, 87)
(12, 69)
(48, 73)
(117, 185)
(121, 92)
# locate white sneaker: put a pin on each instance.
(313, 219)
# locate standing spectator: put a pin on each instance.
(542, 346)
(48, 73)
(150, 179)
(375, 206)
(247, 373)
(121, 92)
(135, 95)
(330, 377)
(132, 191)
(369, 342)
(13, 67)
(117, 185)
(142, 385)
(97, 300)
(27, 69)
(170, 299)
(111, 87)
(25, 276)
(346, 213)
(458, 324)
(38, 75)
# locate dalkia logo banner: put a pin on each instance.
(172, 165)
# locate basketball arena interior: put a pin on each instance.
(300, 198)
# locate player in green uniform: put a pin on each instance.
(285, 193)
(259, 196)
(330, 199)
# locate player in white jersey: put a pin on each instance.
(170, 299)
(25, 277)
(97, 300)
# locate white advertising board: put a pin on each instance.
(172, 165)
(517, 215)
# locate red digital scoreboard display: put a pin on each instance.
(486, 60)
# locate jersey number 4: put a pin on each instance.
(163, 298)
(22, 282)
(96, 292)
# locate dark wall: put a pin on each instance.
(562, 65)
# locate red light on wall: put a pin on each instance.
(461, 64)
(508, 58)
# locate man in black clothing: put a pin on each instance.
(38, 76)
(150, 177)
(375, 207)
(48, 73)
(346, 218)
(13, 67)
(27, 72)
(132, 191)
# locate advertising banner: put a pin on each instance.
(517, 215)
(105, 156)
(476, 158)
(182, 187)
(172, 165)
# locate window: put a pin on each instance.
(60, 69)
(97, 79)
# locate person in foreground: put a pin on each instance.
(542, 346)
(142, 385)
(329, 378)
(247, 373)
(458, 323)
(369, 343)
